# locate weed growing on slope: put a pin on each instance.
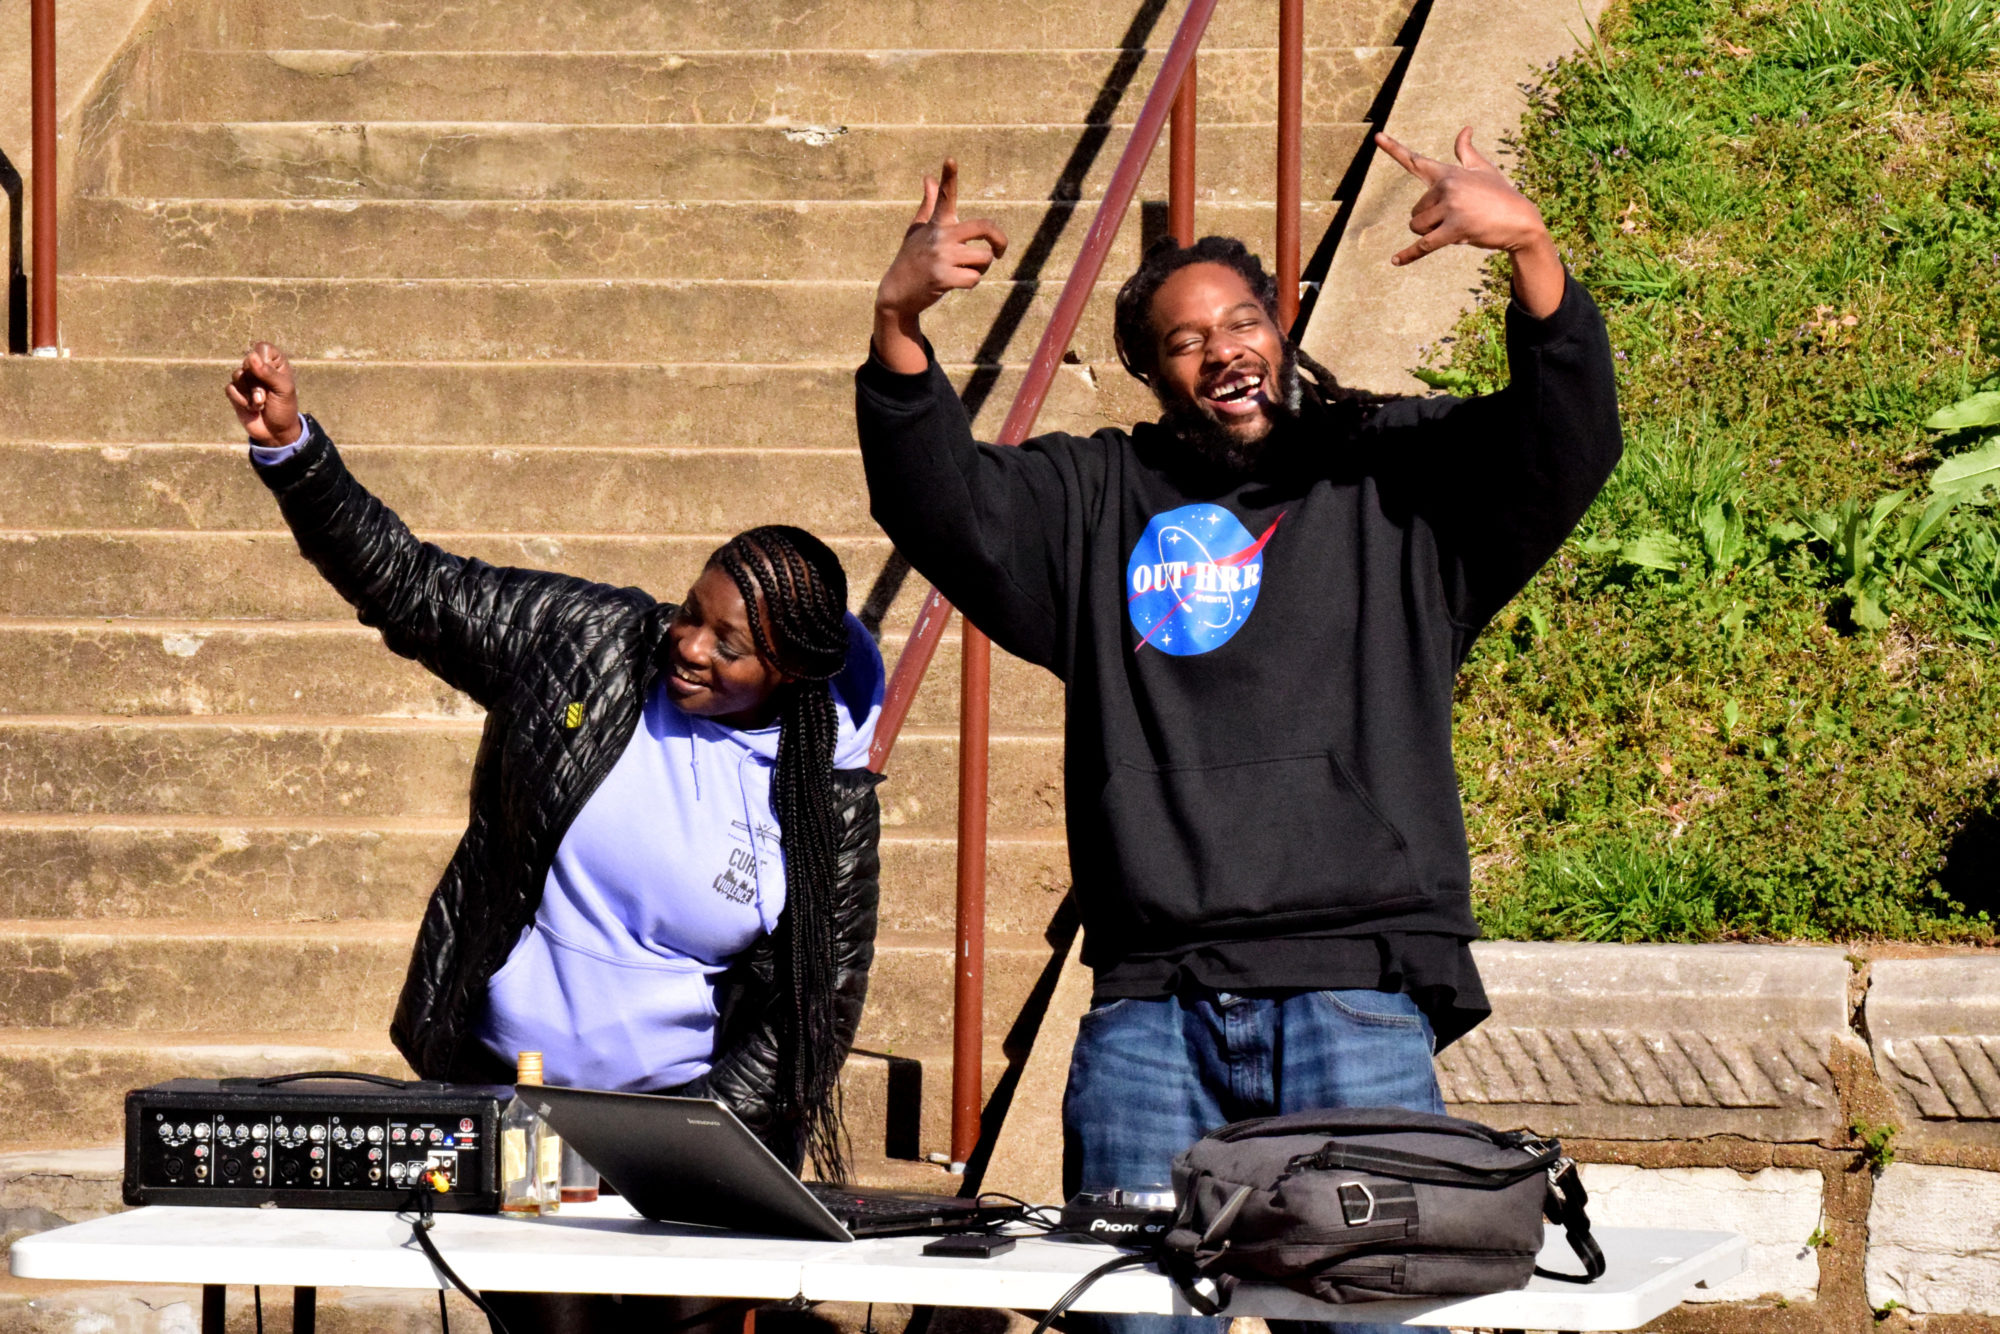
(1753, 697)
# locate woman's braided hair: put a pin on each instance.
(802, 631)
(1132, 315)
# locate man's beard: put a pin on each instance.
(1195, 426)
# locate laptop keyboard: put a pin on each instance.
(848, 1204)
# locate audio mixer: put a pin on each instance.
(326, 1139)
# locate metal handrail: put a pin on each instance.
(42, 156)
(976, 650)
(1173, 95)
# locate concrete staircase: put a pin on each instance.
(576, 284)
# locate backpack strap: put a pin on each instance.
(1337, 1156)
(1188, 1259)
(1564, 1205)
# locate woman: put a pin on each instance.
(668, 881)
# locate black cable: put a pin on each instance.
(420, 1228)
(444, 1316)
(1083, 1284)
(257, 1299)
(1044, 1217)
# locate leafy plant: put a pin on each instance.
(1965, 573)
(1967, 414)
(1878, 1147)
(1457, 380)
(1969, 476)
(1870, 547)
(1910, 43)
(1628, 889)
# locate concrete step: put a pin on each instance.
(81, 1078)
(142, 401)
(675, 320)
(192, 977)
(428, 160)
(421, 238)
(709, 25)
(156, 978)
(790, 87)
(218, 871)
(259, 576)
(328, 669)
(536, 489)
(297, 769)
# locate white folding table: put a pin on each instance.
(605, 1247)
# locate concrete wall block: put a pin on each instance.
(1935, 1027)
(1934, 1240)
(1655, 1041)
(1778, 1209)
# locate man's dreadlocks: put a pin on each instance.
(1133, 314)
(793, 581)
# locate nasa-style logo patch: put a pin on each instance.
(1193, 578)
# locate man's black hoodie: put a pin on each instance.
(1260, 667)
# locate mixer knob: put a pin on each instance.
(374, 1134)
(166, 1131)
(242, 1132)
(182, 1130)
(318, 1133)
(260, 1131)
(200, 1131)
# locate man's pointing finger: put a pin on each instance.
(947, 209)
(1405, 159)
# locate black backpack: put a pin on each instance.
(1364, 1204)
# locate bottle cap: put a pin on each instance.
(529, 1068)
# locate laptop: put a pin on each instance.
(689, 1160)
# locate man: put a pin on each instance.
(1257, 605)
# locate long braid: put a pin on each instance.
(804, 598)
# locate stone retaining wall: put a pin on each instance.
(1841, 1111)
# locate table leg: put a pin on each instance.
(305, 1310)
(211, 1307)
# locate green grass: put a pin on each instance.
(1755, 697)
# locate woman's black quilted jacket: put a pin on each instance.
(528, 646)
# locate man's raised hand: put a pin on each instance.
(1471, 203)
(266, 397)
(939, 254)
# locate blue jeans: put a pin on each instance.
(1150, 1077)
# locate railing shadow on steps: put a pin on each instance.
(16, 317)
(1172, 93)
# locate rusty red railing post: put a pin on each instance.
(968, 991)
(1291, 100)
(42, 154)
(969, 952)
(1180, 160)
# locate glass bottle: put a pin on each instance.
(527, 1149)
(579, 1178)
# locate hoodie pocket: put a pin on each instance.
(1255, 845)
